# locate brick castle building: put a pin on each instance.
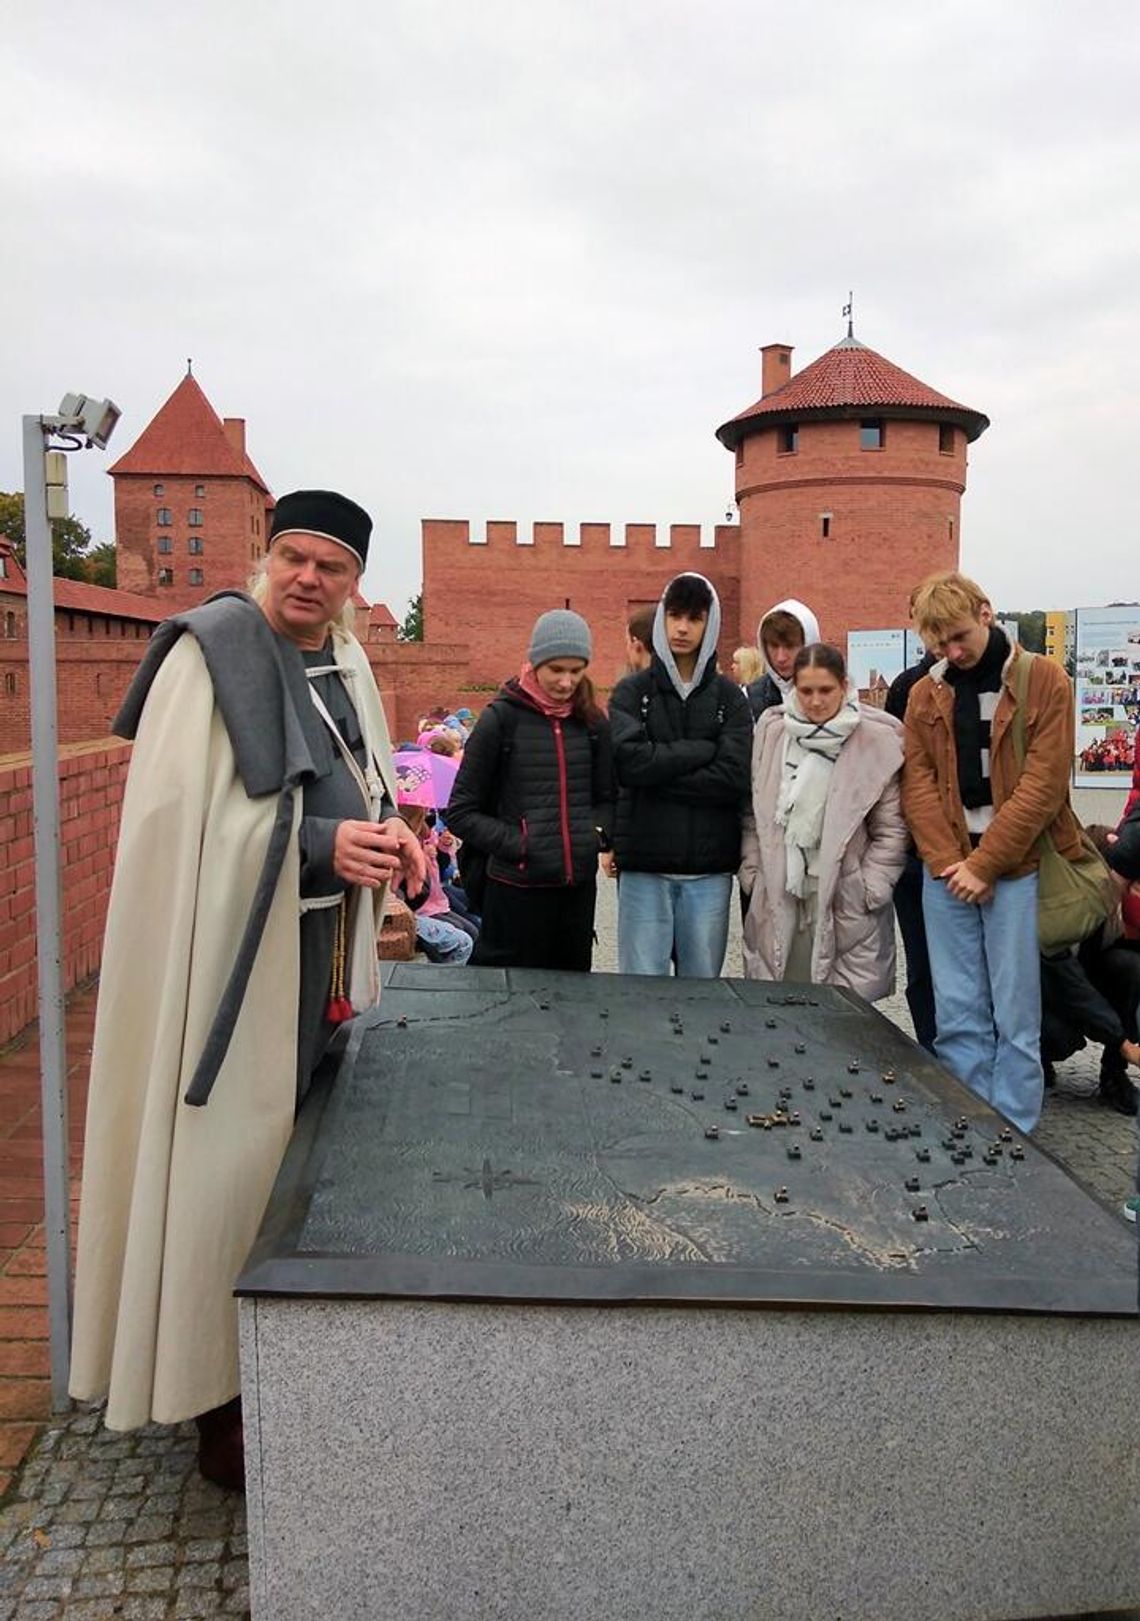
(849, 480)
(191, 509)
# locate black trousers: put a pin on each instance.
(536, 928)
(919, 985)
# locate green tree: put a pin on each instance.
(100, 564)
(1030, 629)
(70, 540)
(412, 630)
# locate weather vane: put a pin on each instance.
(847, 309)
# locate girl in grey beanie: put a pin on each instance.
(533, 805)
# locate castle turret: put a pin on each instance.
(191, 509)
(849, 479)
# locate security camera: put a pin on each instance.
(94, 419)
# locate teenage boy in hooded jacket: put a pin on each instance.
(784, 629)
(682, 739)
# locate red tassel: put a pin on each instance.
(339, 1010)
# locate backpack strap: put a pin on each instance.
(1022, 668)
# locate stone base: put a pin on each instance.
(415, 1459)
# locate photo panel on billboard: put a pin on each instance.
(1107, 689)
(874, 658)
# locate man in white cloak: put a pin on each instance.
(258, 835)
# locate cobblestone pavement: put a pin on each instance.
(102, 1527)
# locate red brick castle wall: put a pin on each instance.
(487, 593)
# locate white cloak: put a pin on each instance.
(173, 1194)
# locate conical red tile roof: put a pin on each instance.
(851, 379)
(186, 436)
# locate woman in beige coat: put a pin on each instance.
(825, 841)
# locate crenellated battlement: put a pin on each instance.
(528, 535)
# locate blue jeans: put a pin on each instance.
(987, 993)
(442, 942)
(660, 918)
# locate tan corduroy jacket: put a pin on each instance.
(1025, 804)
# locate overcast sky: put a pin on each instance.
(515, 260)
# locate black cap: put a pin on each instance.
(324, 513)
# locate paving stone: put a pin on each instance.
(148, 1528)
(152, 1553)
(105, 1532)
(139, 1607)
(235, 1573)
(197, 1602)
(108, 1585)
(94, 1609)
(192, 1526)
(79, 1511)
(39, 1611)
(68, 1536)
(96, 1561)
(60, 1561)
(151, 1579)
(55, 1588)
(212, 1548)
(18, 1514)
(119, 1508)
(163, 1503)
(198, 1576)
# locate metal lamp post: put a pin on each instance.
(79, 423)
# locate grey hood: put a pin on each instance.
(708, 644)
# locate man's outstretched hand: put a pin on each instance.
(371, 853)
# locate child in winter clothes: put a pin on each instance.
(441, 934)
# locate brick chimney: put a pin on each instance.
(775, 366)
(235, 432)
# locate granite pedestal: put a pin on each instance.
(582, 1296)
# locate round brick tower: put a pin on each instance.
(849, 479)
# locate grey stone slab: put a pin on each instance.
(695, 1465)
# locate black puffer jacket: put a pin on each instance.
(531, 791)
(762, 694)
(682, 771)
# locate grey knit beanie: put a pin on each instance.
(559, 634)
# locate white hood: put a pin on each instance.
(798, 610)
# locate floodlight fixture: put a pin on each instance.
(92, 420)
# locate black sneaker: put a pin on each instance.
(1117, 1091)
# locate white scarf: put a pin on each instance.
(810, 751)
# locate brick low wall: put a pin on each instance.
(91, 780)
